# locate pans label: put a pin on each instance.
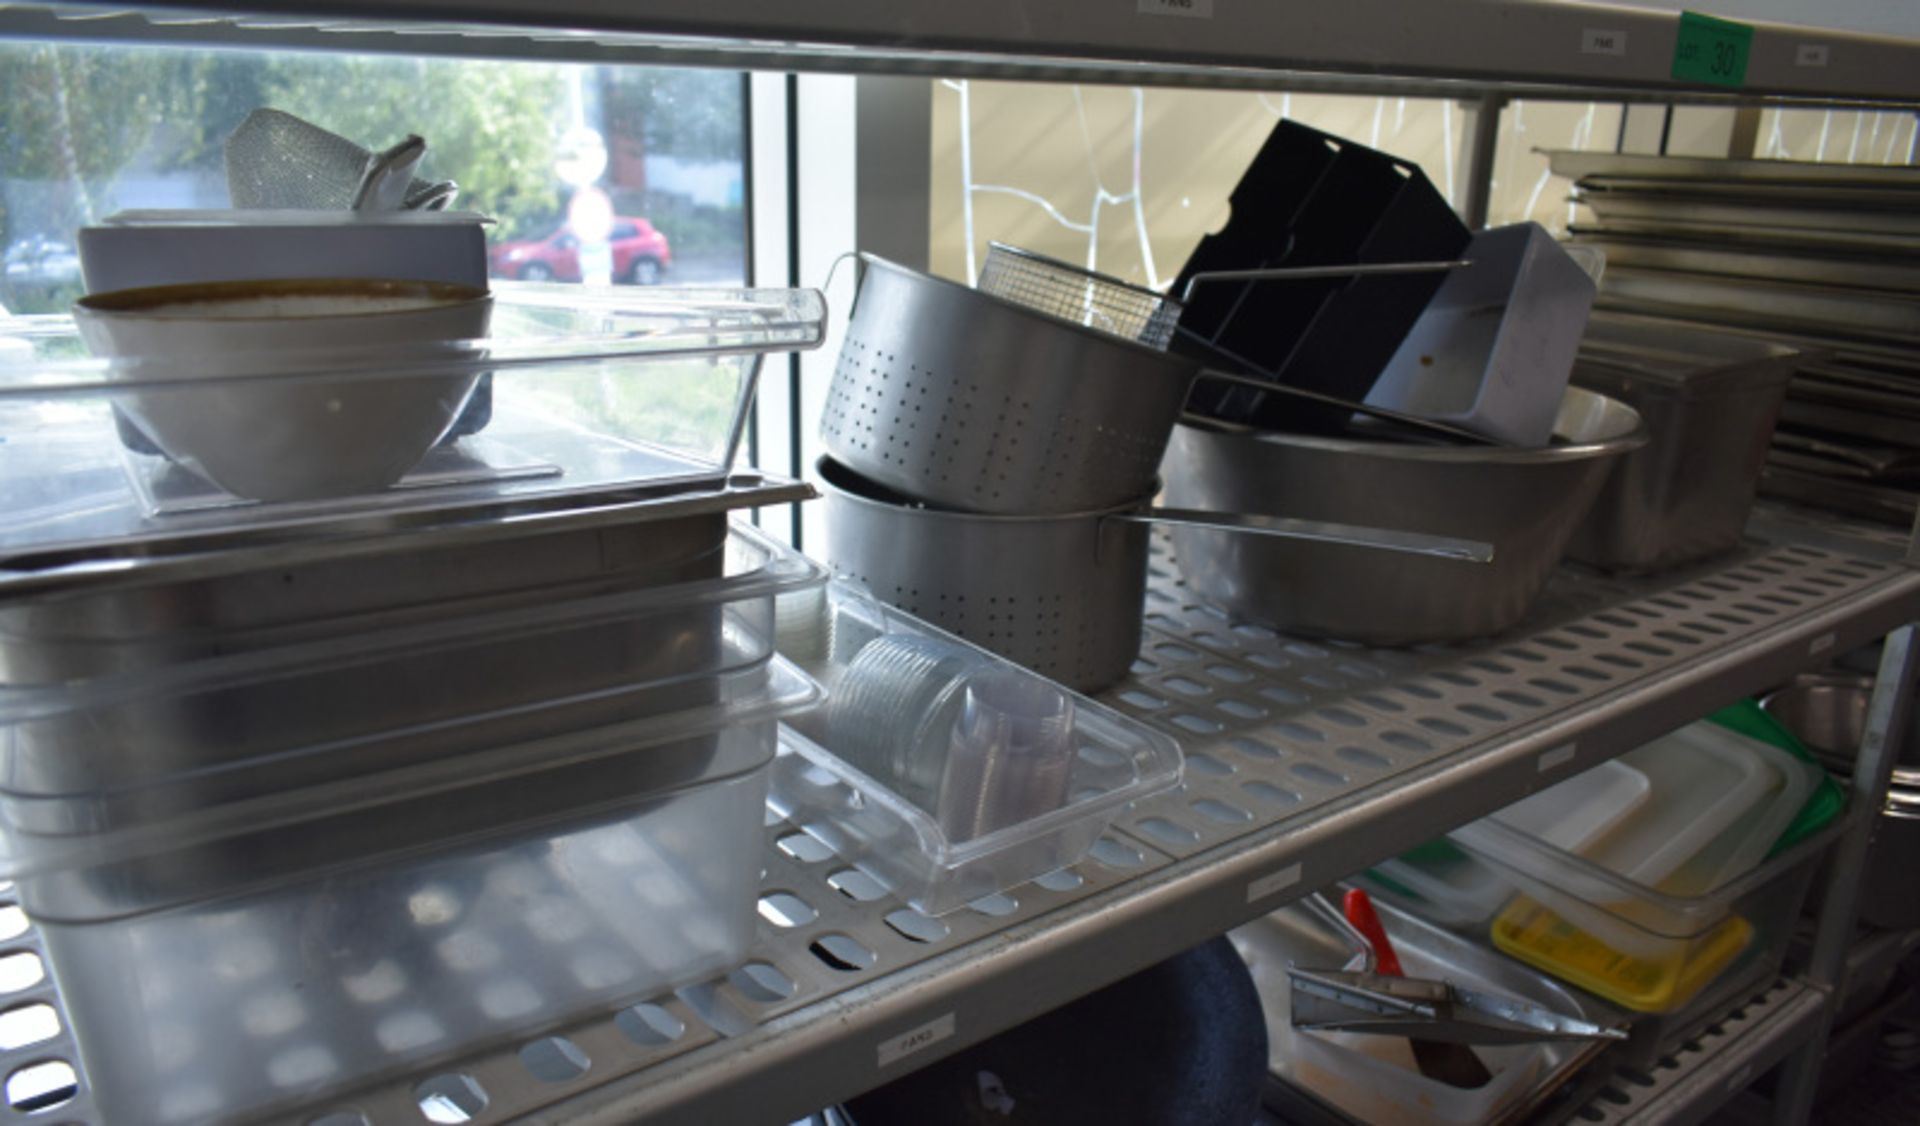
(1557, 757)
(1594, 41)
(1191, 9)
(1273, 883)
(907, 1043)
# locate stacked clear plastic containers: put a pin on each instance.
(302, 792)
(1666, 882)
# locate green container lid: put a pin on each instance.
(1828, 798)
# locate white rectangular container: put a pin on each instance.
(135, 249)
(1494, 349)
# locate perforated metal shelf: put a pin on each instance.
(1306, 761)
(1712, 1068)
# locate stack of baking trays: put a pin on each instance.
(301, 791)
(1822, 257)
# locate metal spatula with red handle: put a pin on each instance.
(1454, 1064)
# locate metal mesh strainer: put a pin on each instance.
(276, 161)
(1062, 290)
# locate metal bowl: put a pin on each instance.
(1526, 502)
(1828, 711)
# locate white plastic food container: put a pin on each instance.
(1495, 347)
(134, 249)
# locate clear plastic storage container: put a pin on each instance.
(386, 701)
(228, 1009)
(572, 393)
(1445, 885)
(1635, 946)
(945, 771)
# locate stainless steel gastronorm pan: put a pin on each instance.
(1709, 401)
(155, 741)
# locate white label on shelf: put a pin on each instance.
(1191, 9)
(1559, 756)
(1595, 41)
(1273, 883)
(1821, 644)
(1810, 54)
(907, 1043)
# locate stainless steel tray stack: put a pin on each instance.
(274, 776)
(1824, 258)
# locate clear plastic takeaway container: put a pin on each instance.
(942, 770)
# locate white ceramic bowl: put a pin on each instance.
(244, 378)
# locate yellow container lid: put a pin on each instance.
(1541, 938)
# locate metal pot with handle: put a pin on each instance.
(1060, 593)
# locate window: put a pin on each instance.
(88, 131)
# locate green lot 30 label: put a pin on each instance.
(1713, 51)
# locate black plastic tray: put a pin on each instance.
(1312, 199)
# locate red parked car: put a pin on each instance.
(640, 255)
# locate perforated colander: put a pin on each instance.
(966, 401)
(1084, 297)
(276, 161)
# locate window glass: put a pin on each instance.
(87, 131)
(1838, 136)
(1128, 180)
(1524, 186)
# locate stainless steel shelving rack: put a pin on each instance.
(1307, 761)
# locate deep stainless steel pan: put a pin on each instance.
(1760, 300)
(1781, 196)
(153, 742)
(124, 608)
(1684, 169)
(1709, 401)
(1659, 211)
(1526, 503)
(1870, 270)
(1787, 240)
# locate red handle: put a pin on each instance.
(1360, 913)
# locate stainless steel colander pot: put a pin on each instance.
(1060, 593)
(978, 403)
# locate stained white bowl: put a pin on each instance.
(295, 389)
